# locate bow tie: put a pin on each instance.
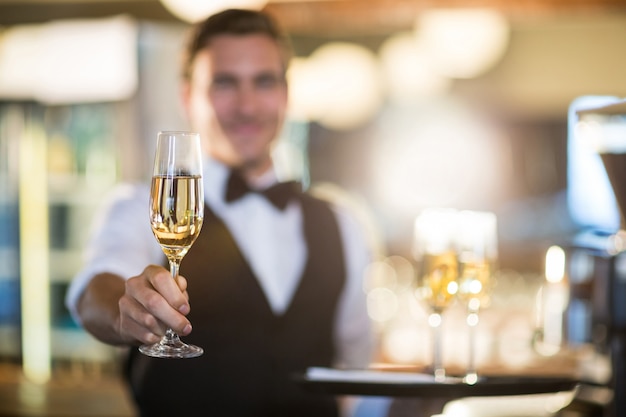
(279, 194)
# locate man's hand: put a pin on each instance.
(137, 310)
(153, 302)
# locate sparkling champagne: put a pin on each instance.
(475, 282)
(176, 212)
(438, 285)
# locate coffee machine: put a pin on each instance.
(596, 314)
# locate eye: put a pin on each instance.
(223, 82)
(268, 81)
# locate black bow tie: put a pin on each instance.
(279, 194)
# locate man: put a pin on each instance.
(273, 290)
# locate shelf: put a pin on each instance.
(78, 344)
(76, 192)
(68, 155)
(70, 344)
(9, 340)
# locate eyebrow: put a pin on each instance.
(263, 75)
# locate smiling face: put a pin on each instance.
(236, 99)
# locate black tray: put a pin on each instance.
(487, 385)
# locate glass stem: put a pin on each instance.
(471, 376)
(174, 265)
(438, 369)
(171, 338)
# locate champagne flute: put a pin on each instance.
(477, 254)
(434, 251)
(176, 214)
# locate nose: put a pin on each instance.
(247, 100)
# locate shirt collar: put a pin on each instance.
(215, 176)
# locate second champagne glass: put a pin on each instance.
(176, 214)
(477, 254)
(434, 251)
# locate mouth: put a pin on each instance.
(245, 128)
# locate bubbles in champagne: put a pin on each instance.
(176, 212)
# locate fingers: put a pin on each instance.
(168, 288)
(182, 284)
(136, 324)
(153, 302)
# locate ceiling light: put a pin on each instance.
(407, 70)
(338, 85)
(463, 43)
(196, 10)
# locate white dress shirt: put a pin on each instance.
(271, 241)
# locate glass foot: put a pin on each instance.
(471, 378)
(171, 346)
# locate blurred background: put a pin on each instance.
(397, 105)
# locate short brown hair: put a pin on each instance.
(233, 22)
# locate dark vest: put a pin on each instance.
(250, 354)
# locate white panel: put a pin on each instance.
(70, 61)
